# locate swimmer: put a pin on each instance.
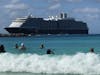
(22, 47)
(92, 50)
(41, 46)
(2, 49)
(16, 46)
(49, 51)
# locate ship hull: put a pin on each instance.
(37, 31)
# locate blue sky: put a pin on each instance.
(83, 10)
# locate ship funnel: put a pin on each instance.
(63, 15)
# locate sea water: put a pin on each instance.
(71, 55)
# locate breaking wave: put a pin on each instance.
(80, 63)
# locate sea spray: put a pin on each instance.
(80, 63)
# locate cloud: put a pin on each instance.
(16, 6)
(56, 0)
(73, 0)
(87, 10)
(97, 0)
(54, 6)
(15, 1)
(88, 13)
(64, 1)
(53, 1)
(91, 17)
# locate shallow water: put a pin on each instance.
(60, 44)
(71, 56)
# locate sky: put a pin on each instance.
(82, 10)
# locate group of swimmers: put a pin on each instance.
(49, 51)
(22, 47)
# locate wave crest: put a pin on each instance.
(80, 63)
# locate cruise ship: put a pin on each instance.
(52, 25)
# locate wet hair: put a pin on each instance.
(49, 51)
(2, 49)
(92, 50)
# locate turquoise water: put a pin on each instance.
(61, 44)
(71, 56)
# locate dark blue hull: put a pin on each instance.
(36, 31)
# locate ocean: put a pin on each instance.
(71, 55)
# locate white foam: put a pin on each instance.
(79, 63)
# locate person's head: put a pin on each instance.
(2, 46)
(92, 50)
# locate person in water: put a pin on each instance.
(16, 46)
(2, 49)
(92, 50)
(22, 47)
(49, 51)
(41, 46)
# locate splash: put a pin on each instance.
(79, 63)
